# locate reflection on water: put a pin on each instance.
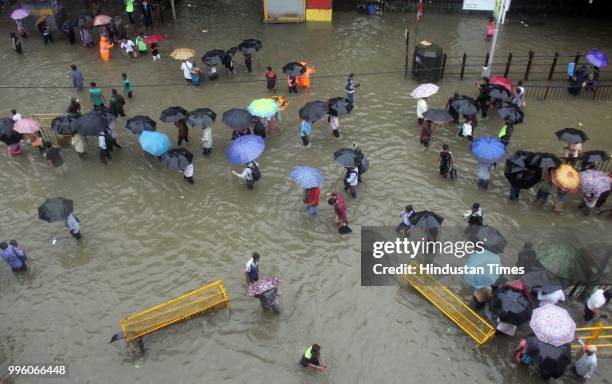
(149, 237)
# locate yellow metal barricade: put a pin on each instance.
(207, 298)
(452, 306)
(597, 333)
(45, 119)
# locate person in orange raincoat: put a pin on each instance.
(105, 47)
(304, 79)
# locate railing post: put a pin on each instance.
(463, 65)
(528, 69)
(508, 65)
(546, 93)
(407, 53)
(443, 66)
(552, 67)
(577, 58)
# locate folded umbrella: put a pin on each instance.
(294, 69)
(182, 53)
(154, 39)
(339, 106)
(437, 115)
(213, 57)
(426, 219)
(566, 178)
(553, 325)
(424, 90)
(64, 125)
(347, 157)
(500, 92)
(592, 181)
(177, 158)
(488, 149)
(155, 143)
(597, 58)
(511, 306)
(544, 160)
(491, 238)
(101, 20)
(594, 156)
(20, 13)
(173, 114)
(313, 110)
(55, 209)
(464, 105)
(542, 280)
(306, 177)
(262, 107)
(245, 149)
(250, 46)
(500, 80)
(572, 135)
(281, 101)
(511, 112)
(263, 285)
(482, 260)
(90, 124)
(201, 118)
(140, 123)
(562, 259)
(551, 361)
(26, 126)
(236, 118)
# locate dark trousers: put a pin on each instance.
(248, 64)
(403, 226)
(484, 184)
(182, 139)
(23, 268)
(350, 188)
(305, 140)
(131, 16)
(206, 151)
(148, 19)
(542, 196)
(48, 38)
(189, 179)
(104, 154)
(514, 193)
(250, 183)
(336, 132)
(76, 235)
(293, 88)
(484, 110)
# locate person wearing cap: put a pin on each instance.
(587, 363)
(312, 358)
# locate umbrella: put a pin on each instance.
(313, 110)
(572, 135)
(155, 143)
(566, 178)
(544, 160)
(492, 239)
(553, 325)
(140, 123)
(500, 92)
(182, 53)
(424, 90)
(84, 20)
(486, 276)
(6, 125)
(64, 125)
(90, 124)
(232, 51)
(40, 19)
(245, 149)
(511, 112)
(177, 158)
(511, 306)
(213, 57)
(55, 209)
(173, 114)
(488, 149)
(281, 101)
(68, 24)
(500, 80)
(464, 105)
(306, 177)
(294, 69)
(250, 46)
(519, 174)
(426, 219)
(347, 157)
(542, 280)
(7, 134)
(201, 118)
(594, 57)
(263, 285)
(263, 107)
(438, 115)
(101, 20)
(591, 181)
(594, 156)
(154, 39)
(339, 106)
(26, 126)
(562, 259)
(20, 13)
(236, 118)
(551, 361)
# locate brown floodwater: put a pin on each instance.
(149, 236)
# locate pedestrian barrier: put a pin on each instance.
(599, 331)
(44, 120)
(208, 298)
(452, 306)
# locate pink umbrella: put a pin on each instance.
(553, 325)
(150, 39)
(20, 13)
(102, 20)
(502, 81)
(26, 126)
(260, 286)
(424, 90)
(595, 182)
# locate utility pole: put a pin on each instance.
(500, 12)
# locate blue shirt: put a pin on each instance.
(306, 129)
(14, 257)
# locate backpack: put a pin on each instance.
(365, 164)
(255, 172)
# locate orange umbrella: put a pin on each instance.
(566, 178)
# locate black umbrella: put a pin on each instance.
(313, 110)
(64, 125)
(426, 219)
(84, 21)
(542, 280)
(497, 91)
(551, 361)
(294, 68)
(438, 115)
(347, 157)
(594, 156)
(464, 105)
(518, 173)
(511, 306)
(250, 46)
(173, 114)
(236, 118)
(213, 57)
(55, 209)
(339, 106)
(7, 135)
(232, 51)
(572, 135)
(177, 158)
(491, 237)
(140, 123)
(511, 112)
(90, 124)
(201, 118)
(68, 24)
(544, 160)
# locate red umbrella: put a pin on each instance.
(502, 81)
(150, 39)
(101, 20)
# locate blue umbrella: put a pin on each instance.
(482, 260)
(488, 149)
(597, 58)
(245, 149)
(155, 143)
(307, 177)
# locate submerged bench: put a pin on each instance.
(207, 298)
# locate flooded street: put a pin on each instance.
(148, 236)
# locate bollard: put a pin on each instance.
(443, 66)
(529, 61)
(463, 65)
(508, 65)
(552, 67)
(486, 59)
(407, 53)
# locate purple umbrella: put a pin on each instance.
(245, 149)
(553, 325)
(597, 58)
(20, 13)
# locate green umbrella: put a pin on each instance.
(562, 259)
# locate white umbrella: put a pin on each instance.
(424, 90)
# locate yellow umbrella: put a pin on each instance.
(281, 101)
(182, 53)
(40, 19)
(566, 178)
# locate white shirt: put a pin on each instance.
(353, 177)
(585, 366)
(406, 217)
(188, 172)
(466, 130)
(207, 137)
(17, 117)
(421, 108)
(101, 141)
(334, 122)
(187, 67)
(73, 224)
(551, 298)
(250, 263)
(247, 173)
(596, 300)
(128, 46)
